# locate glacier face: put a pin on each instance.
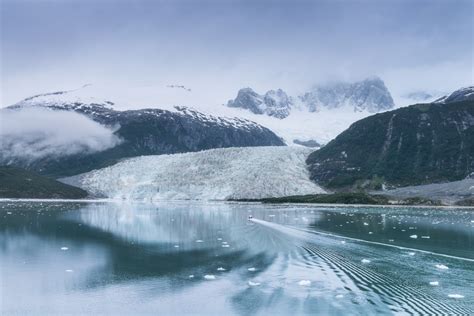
(216, 174)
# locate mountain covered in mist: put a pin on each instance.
(422, 143)
(132, 133)
(370, 95)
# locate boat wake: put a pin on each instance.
(367, 280)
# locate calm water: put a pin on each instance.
(208, 258)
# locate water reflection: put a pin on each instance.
(209, 258)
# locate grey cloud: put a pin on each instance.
(31, 134)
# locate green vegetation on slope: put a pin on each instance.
(19, 183)
(347, 198)
(419, 144)
(336, 198)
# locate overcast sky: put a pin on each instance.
(219, 46)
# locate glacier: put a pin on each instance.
(216, 174)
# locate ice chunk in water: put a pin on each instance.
(64, 248)
(455, 296)
(442, 267)
(304, 282)
(220, 269)
(365, 261)
(434, 283)
(199, 240)
(414, 236)
(210, 277)
(252, 269)
(254, 283)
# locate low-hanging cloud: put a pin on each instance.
(34, 133)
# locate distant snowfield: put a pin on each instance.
(216, 174)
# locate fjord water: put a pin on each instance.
(209, 258)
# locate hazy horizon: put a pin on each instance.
(217, 47)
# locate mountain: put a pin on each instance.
(463, 94)
(273, 103)
(215, 174)
(369, 95)
(141, 132)
(19, 183)
(419, 144)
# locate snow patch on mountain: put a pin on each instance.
(216, 174)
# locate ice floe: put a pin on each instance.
(442, 267)
(304, 283)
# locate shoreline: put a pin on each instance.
(334, 205)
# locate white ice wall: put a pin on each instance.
(217, 174)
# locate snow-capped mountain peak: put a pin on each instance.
(68, 99)
(463, 94)
(370, 94)
(274, 103)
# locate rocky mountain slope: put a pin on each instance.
(141, 132)
(419, 144)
